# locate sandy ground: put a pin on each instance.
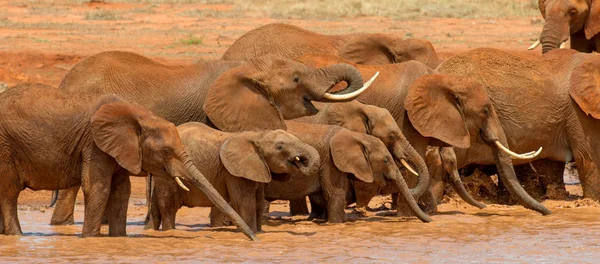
(41, 40)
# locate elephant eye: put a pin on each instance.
(573, 12)
(296, 79)
(167, 152)
(386, 160)
(279, 147)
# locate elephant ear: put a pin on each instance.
(585, 86)
(592, 24)
(116, 131)
(349, 155)
(542, 6)
(239, 101)
(240, 157)
(370, 49)
(432, 107)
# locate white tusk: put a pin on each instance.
(529, 155)
(408, 167)
(297, 158)
(352, 94)
(563, 45)
(534, 45)
(181, 184)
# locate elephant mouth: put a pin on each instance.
(298, 162)
(308, 105)
(281, 177)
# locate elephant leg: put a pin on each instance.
(8, 205)
(589, 178)
(1, 222)
(96, 184)
(153, 216)
(334, 190)
(9, 193)
(218, 218)
(364, 193)
(260, 206)
(65, 205)
(118, 201)
(240, 192)
(317, 206)
(298, 207)
(168, 200)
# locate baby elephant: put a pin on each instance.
(51, 140)
(238, 165)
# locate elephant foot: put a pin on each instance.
(362, 211)
(62, 222)
(380, 208)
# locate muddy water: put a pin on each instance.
(458, 234)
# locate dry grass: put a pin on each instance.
(396, 9)
(102, 15)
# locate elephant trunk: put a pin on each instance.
(459, 187)
(555, 32)
(508, 177)
(408, 198)
(326, 78)
(196, 177)
(404, 149)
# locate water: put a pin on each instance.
(497, 234)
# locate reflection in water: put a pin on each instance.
(495, 234)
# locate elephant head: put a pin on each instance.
(442, 165)
(259, 155)
(567, 17)
(140, 141)
(368, 159)
(378, 122)
(264, 91)
(457, 111)
(386, 48)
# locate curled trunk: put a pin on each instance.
(413, 156)
(206, 187)
(327, 77)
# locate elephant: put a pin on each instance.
(378, 122)
(578, 20)
(239, 165)
(438, 109)
(50, 140)
(552, 107)
(344, 154)
(230, 96)
(290, 41)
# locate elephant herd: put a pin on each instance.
(286, 115)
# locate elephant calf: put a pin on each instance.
(343, 153)
(51, 140)
(238, 165)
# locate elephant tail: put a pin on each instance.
(54, 198)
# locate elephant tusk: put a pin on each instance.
(297, 158)
(528, 155)
(408, 167)
(352, 94)
(563, 45)
(534, 45)
(181, 184)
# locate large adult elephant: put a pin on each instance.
(289, 41)
(440, 110)
(577, 19)
(531, 97)
(231, 96)
(50, 139)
